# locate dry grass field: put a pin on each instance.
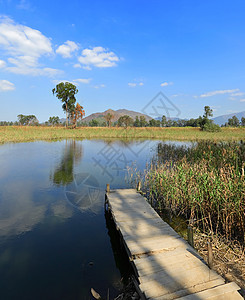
(15, 134)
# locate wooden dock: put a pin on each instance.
(166, 266)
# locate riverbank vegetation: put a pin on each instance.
(204, 183)
(203, 186)
(32, 133)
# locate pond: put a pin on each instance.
(54, 240)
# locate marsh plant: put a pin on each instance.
(203, 183)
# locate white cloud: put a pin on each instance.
(218, 92)
(28, 65)
(67, 49)
(242, 100)
(87, 68)
(132, 84)
(6, 85)
(166, 83)
(74, 81)
(82, 67)
(2, 64)
(237, 94)
(98, 57)
(18, 39)
(77, 66)
(23, 47)
(83, 80)
(99, 86)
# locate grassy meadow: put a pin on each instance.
(31, 133)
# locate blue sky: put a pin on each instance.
(121, 54)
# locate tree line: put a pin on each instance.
(126, 121)
(140, 121)
(66, 92)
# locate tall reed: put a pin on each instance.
(204, 183)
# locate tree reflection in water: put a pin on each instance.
(82, 189)
(64, 173)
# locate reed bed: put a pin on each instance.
(32, 133)
(203, 183)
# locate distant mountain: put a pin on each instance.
(116, 115)
(221, 120)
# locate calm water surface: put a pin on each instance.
(54, 241)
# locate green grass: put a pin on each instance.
(31, 133)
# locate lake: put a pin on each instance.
(55, 242)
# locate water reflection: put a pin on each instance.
(52, 223)
(84, 193)
(72, 153)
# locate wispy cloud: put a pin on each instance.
(98, 57)
(82, 67)
(83, 80)
(74, 81)
(237, 94)
(2, 64)
(98, 86)
(67, 49)
(242, 100)
(134, 84)
(166, 83)
(218, 92)
(77, 66)
(6, 85)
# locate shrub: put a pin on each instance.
(211, 127)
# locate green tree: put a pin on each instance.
(108, 119)
(208, 112)
(243, 121)
(205, 123)
(154, 123)
(137, 122)
(143, 122)
(21, 119)
(66, 93)
(169, 123)
(94, 123)
(54, 120)
(27, 120)
(125, 121)
(164, 121)
(233, 122)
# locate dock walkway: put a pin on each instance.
(166, 266)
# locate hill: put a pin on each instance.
(221, 120)
(116, 115)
